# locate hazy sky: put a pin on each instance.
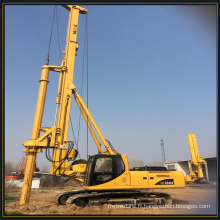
(152, 75)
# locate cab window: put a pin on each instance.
(103, 165)
(120, 166)
(103, 170)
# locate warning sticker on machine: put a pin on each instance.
(74, 29)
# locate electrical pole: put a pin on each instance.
(162, 150)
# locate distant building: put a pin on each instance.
(209, 169)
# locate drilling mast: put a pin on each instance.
(56, 136)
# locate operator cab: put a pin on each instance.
(103, 168)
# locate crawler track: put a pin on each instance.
(98, 198)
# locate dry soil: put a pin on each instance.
(194, 199)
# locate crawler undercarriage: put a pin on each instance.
(126, 197)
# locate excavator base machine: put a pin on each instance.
(109, 180)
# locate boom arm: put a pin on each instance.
(85, 112)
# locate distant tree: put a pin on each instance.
(135, 163)
(9, 167)
(16, 166)
(155, 163)
(45, 169)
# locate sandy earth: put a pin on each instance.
(185, 201)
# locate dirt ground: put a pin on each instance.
(195, 199)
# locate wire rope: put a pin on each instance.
(58, 33)
(51, 33)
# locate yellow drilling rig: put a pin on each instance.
(196, 160)
(105, 176)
